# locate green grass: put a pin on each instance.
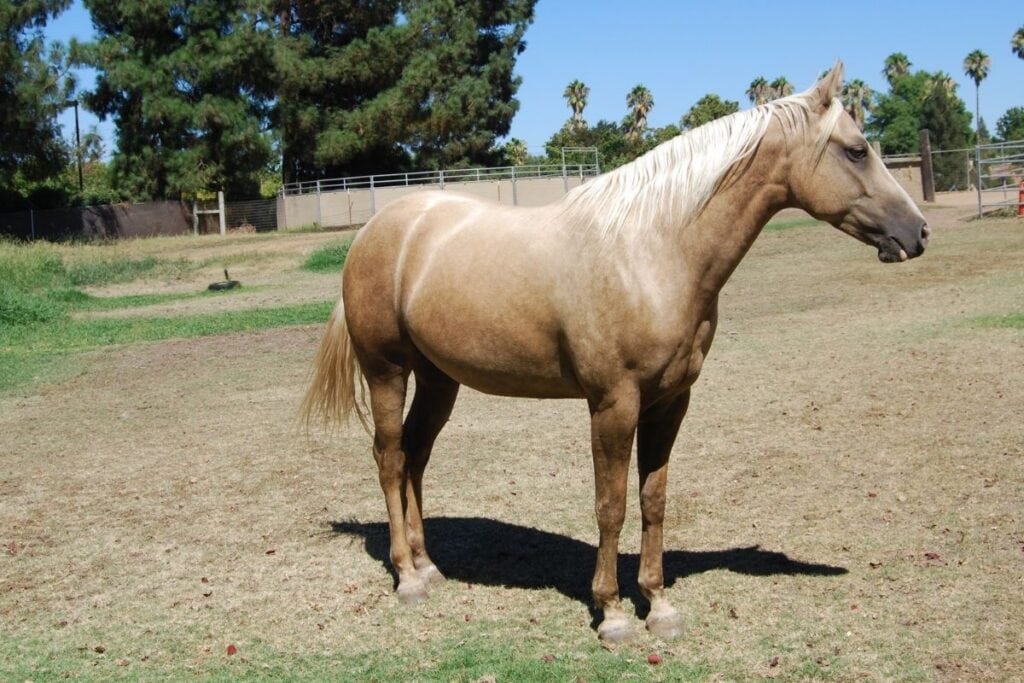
(464, 660)
(1014, 321)
(31, 352)
(76, 335)
(786, 224)
(39, 290)
(329, 258)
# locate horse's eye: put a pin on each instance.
(858, 153)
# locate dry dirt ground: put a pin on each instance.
(845, 499)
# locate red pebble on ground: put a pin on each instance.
(232, 650)
(654, 658)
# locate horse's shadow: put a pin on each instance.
(494, 553)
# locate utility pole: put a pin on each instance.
(78, 143)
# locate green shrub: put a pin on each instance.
(28, 267)
(328, 258)
(26, 308)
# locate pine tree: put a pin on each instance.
(187, 84)
(462, 77)
(336, 64)
(373, 86)
(32, 93)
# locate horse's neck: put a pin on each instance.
(714, 244)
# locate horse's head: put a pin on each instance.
(843, 181)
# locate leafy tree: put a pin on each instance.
(1010, 125)
(857, 99)
(899, 115)
(32, 92)
(948, 122)
(640, 102)
(613, 146)
(897, 64)
(759, 91)
(779, 88)
(976, 66)
(576, 94)
(984, 136)
(708, 108)
(187, 86)
(1017, 42)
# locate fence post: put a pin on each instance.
(195, 217)
(977, 174)
(32, 221)
(927, 174)
(441, 176)
(373, 198)
(319, 206)
(515, 197)
(220, 213)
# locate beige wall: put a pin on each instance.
(355, 207)
(908, 175)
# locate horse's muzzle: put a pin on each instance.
(903, 245)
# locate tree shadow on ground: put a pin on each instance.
(495, 553)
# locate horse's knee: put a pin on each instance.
(652, 506)
(611, 514)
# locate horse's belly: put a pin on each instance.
(499, 355)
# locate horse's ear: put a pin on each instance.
(829, 87)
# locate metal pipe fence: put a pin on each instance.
(992, 168)
(439, 178)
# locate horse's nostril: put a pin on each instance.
(926, 231)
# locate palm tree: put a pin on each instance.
(976, 66)
(516, 152)
(857, 100)
(575, 95)
(1017, 43)
(897, 64)
(640, 101)
(780, 87)
(759, 91)
(941, 79)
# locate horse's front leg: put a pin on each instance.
(613, 425)
(655, 435)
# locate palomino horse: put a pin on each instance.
(608, 295)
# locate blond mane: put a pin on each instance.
(668, 187)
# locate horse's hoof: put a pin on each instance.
(666, 625)
(412, 592)
(431, 575)
(615, 631)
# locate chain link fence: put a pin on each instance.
(145, 219)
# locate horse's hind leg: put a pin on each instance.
(655, 435)
(387, 386)
(431, 407)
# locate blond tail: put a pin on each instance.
(331, 397)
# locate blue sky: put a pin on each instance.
(683, 50)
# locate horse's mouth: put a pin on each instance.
(890, 250)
